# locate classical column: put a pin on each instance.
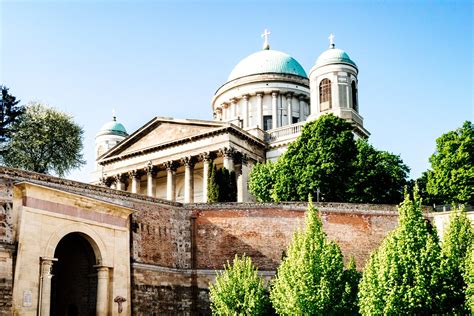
(245, 110)
(206, 160)
(102, 304)
(302, 110)
(225, 112)
(188, 179)
(135, 175)
(45, 289)
(260, 110)
(274, 109)
(150, 181)
(228, 158)
(170, 180)
(289, 97)
(242, 179)
(119, 182)
(233, 105)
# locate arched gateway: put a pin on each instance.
(74, 281)
(73, 254)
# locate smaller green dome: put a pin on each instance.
(334, 56)
(113, 128)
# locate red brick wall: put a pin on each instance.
(264, 231)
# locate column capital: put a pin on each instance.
(207, 156)
(188, 161)
(289, 94)
(227, 152)
(274, 94)
(260, 94)
(170, 165)
(245, 97)
(150, 169)
(135, 173)
(224, 105)
(233, 100)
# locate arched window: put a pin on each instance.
(325, 95)
(354, 96)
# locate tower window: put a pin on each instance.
(325, 102)
(354, 96)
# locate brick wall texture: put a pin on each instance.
(176, 249)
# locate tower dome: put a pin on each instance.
(334, 56)
(108, 136)
(267, 62)
(113, 128)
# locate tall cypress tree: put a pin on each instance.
(10, 112)
(212, 186)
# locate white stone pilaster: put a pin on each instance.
(274, 110)
(102, 304)
(242, 180)
(45, 288)
(302, 108)
(233, 105)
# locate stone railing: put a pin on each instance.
(284, 132)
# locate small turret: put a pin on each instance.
(109, 135)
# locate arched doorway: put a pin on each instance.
(74, 282)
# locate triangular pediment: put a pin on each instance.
(161, 131)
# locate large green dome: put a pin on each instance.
(334, 56)
(113, 128)
(267, 61)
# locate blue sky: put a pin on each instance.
(167, 58)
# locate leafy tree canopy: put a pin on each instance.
(379, 176)
(452, 176)
(456, 250)
(402, 277)
(326, 157)
(311, 278)
(45, 140)
(10, 111)
(322, 157)
(238, 290)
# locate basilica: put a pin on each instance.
(263, 106)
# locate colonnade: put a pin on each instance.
(240, 108)
(232, 160)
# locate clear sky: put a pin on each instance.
(167, 58)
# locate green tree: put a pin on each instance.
(351, 278)
(311, 279)
(452, 176)
(212, 187)
(379, 176)
(238, 290)
(322, 157)
(402, 276)
(10, 112)
(46, 141)
(455, 251)
(261, 181)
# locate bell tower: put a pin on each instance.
(334, 88)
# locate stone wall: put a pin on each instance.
(176, 249)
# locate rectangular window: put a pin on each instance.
(267, 122)
(295, 120)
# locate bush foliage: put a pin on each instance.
(238, 290)
(311, 278)
(402, 277)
